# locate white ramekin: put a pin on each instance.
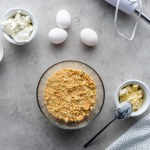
(12, 12)
(146, 90)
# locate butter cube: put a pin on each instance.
(123, 92)
(129, 89)
(140, 94)
(135, 87)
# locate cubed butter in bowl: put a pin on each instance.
(137, 93)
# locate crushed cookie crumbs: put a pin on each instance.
(70, 95)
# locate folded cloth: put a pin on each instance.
(136, 138)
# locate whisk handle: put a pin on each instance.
(143, 16)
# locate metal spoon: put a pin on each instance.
(123, 111)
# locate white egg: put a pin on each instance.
(57, 35)
(89, 37)
(63, 19)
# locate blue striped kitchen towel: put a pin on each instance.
(136, 138)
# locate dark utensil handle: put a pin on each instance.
(143, 16)
(99, 133)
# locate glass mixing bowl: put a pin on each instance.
(74, 65)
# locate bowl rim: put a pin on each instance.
(132, 81)
(74, 128)
(2, 52)
(24, 10)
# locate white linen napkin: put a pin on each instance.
(136, 138)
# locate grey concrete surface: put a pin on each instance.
(22, 126)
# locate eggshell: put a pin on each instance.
(89, 37)
(63, 19)
(57, 35)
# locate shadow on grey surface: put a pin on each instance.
(62, 137)
(24, 50)
(21, 49)
(2, 67)
(87, 48)
(57, 47)
(104, 5)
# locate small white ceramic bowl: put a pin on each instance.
(146, 90)
(12, 12)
